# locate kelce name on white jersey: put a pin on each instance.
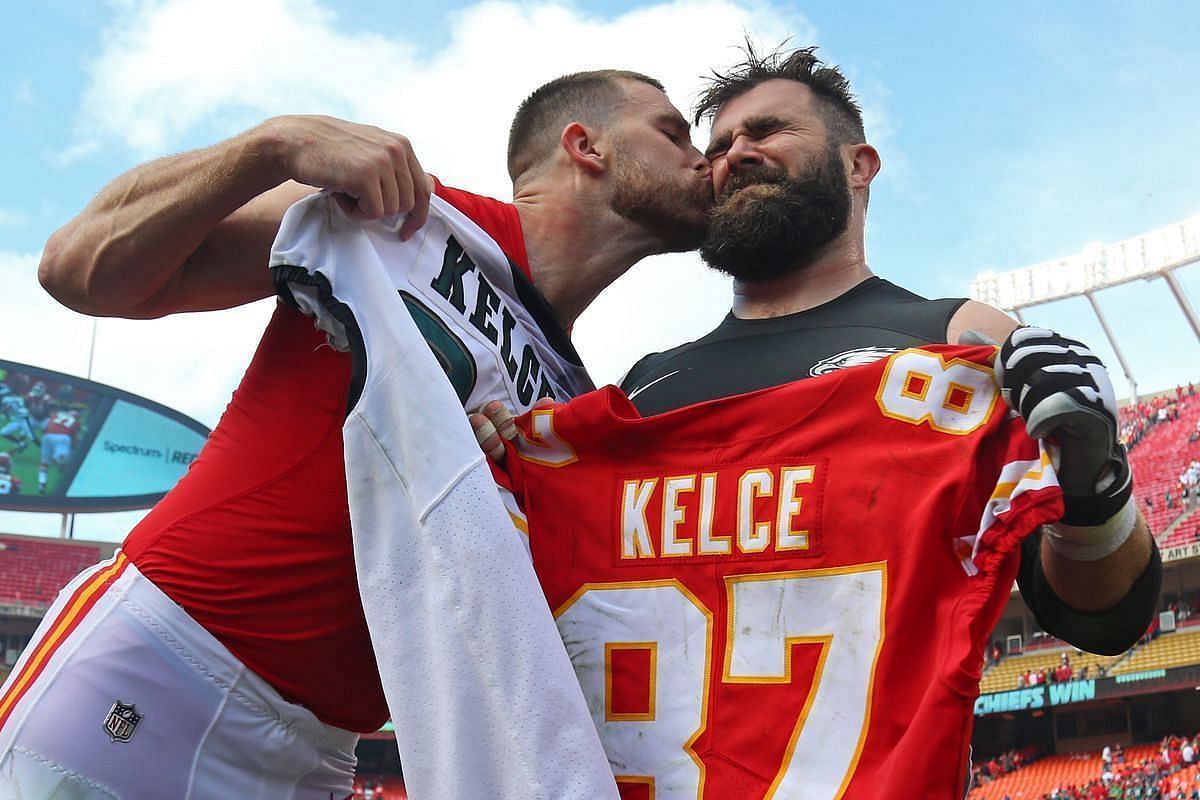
(490, 316)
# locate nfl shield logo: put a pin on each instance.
(121, 721)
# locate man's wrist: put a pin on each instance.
(1094, 542)
(263, 153)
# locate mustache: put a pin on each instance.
(761, 174)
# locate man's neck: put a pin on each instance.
(836, 271)
(576, 247)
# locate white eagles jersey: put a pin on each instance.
(494, 335)
(484, 699)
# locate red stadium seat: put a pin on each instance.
(32, 571)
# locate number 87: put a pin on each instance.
(839, 608)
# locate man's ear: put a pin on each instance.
(578, 141)
(864, 165)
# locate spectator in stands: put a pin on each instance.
(1188, 753)
(1190, 477)
(1136, 420)
(1174, 755)
(1151, 632)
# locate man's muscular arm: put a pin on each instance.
(193, 232)
(1084, 586)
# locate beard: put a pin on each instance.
(674, 210)
(767, 224)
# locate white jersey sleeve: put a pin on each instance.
(483, 696)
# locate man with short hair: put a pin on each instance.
(226, 644)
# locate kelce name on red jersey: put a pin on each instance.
(738, 510)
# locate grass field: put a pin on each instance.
(25, 465)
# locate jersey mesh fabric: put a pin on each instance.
(254, 541)
(918, 527)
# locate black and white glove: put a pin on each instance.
(1063, 392)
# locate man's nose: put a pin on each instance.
(701, 164)
(742, 153)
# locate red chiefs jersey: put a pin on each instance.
(787, 593)
(254, 542)
(64, 422)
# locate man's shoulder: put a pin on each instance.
(652, 366)
(496, 218)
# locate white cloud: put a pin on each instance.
(172, 68)
(24, 93)
(190, 362)
(36, 329)
(175, 68)
(12, 217)
(75, 152)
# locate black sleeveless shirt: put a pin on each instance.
(872, 320)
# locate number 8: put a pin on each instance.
(954, 397)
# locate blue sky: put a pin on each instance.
(1011, 133)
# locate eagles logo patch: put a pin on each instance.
(851, 358)
(122, 721)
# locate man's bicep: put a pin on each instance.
(230, 267)
(975, 316)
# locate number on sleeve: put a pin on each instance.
(544, 445)
(955, 397)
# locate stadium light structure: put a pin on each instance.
(1151, 255)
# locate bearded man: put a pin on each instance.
(792, 172)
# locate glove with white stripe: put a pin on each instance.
(1062, 391)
